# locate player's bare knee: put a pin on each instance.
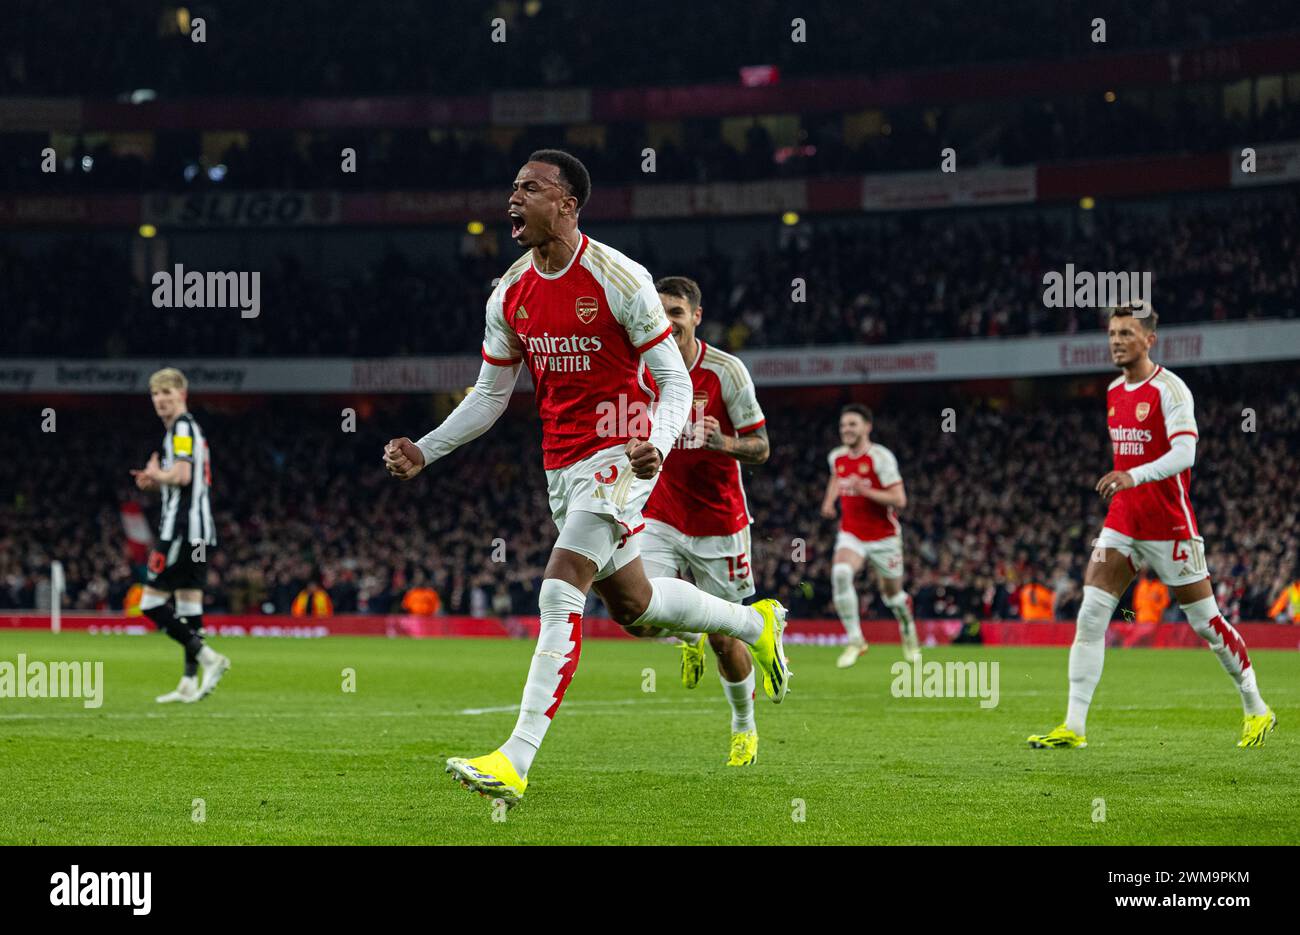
(1111, 574)
(570, 567)
(1191, 593)
(626, 604)
(721, 644)
(640, 632)
(847, 557)
(626, 611)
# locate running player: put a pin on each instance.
(865, 479)
(178, 565)
(697, 519)
(588, 322)
(1153, 436)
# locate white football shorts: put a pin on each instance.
(720, 565)
(1174, 562)
(885, 555)
(602, 484)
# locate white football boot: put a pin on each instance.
(852, 651)
(187, 691)
(214, 667)
(911, 648)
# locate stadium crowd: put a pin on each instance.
(822, 145)
(1000, 516)
(904, 278)
(332, 47)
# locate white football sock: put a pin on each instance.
(559, 644)
(1228, 645)
(682, 607)
(900, 605)
(691, 639)
(740, 695)
(845, 600)
(1088, 653)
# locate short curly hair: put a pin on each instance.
(572, 171)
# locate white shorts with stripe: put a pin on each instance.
(1174, 562)
(602, 483)
(720, 565)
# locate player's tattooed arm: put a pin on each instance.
(751, 448)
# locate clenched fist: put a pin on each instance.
(645, 457)
(402, 459)
(708, 434)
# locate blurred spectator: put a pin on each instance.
(313, 601)
(1035, 600)
(131, 603)
(1286, 609)
(421, 600)
(501, 601)
(1150, 598)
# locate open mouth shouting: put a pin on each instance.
(517, 223)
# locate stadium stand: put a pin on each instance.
(904, 278)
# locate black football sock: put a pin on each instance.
(166, 620)
(195, 623)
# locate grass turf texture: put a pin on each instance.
(281, 755)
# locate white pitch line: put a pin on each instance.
(143, 715)
(93, 714)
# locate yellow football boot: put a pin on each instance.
(1256, 728)
(492, 776)
(744, 749)
(1060, 738)
(693, 661)
(769, 653)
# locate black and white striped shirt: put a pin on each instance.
(187, 511)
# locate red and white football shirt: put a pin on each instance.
(1143, 419)
(700, 492)
(581, 331)
(874, 467)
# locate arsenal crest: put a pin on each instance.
(587, 308)
(1142, 411)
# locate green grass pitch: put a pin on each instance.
(280, 754)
